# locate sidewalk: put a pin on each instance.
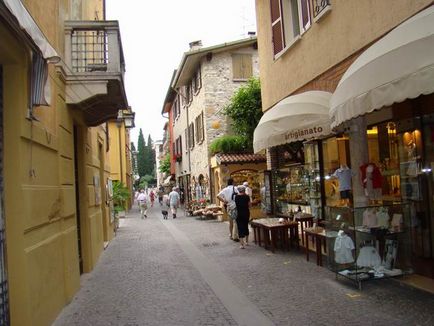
(187, 272)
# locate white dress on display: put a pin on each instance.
(368, 257)
(343, 248)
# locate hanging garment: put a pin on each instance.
(368, 257)
(369, 218)
(343, 248)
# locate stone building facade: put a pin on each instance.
(202, 86)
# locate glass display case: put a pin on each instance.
(369, 243)
(291, 188)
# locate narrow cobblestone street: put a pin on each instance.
(187, 272)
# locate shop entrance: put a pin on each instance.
(77, 199)
(4, 297)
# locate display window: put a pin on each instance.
(297, 182)
(337, 171)
(252, 177)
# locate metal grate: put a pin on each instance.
(89, 51)
(4, 297)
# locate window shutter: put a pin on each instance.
(237, 72)
(202, 132)
(187, 139)
(192, 134)
(277, 26)
(247, 66)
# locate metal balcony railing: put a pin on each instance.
(93, 47)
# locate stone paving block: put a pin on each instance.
(144, 277)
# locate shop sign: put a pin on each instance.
(304, 133)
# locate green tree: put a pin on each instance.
(133, 161)
(165, 164)
(245, 110)
(141, 155)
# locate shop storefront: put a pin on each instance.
(291, 131)
(384, 104)
(241, 168)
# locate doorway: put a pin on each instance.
(77, 199)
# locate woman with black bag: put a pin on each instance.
(242, 201)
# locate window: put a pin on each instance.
(200, 135)
(289, 19)
(187, 139)
(176, 107)
(178, 149)
(197, 81)
(241, 66)
(191, 135)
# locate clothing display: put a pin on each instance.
(383, 217)
(343, 248)
(368, 257)
(371, 180)
(344, 175)
(369, 218)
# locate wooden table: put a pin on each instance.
(305, 221)
(319, 237)
(269, 230)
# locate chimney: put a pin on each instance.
(195, 45)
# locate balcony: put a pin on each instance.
(94, 69)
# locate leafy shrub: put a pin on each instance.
(228, 144)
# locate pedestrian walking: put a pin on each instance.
(160, 194)
(174, 200)
(249, 191)
(227, 196)
(143, 205)
(136, 194)
(242, 202)
(152, 197)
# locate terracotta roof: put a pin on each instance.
(240, 158)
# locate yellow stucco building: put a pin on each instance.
(54, 158)
(121, 154)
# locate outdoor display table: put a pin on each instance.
(319, 238)
(306, 221)
(270, 232)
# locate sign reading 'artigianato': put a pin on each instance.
(302, 133)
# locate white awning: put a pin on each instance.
(31, 28)
(397, 67)
(299, 117)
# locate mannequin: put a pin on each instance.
(372, 181)
(343, 248)
(344, 174)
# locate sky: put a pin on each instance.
(155, 35)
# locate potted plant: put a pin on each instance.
(120, 196)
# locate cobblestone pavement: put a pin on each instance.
(147, 276)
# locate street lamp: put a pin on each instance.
(127, 117)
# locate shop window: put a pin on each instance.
(297, 183)
(335, 160)
(381, 175)
(241, 66)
